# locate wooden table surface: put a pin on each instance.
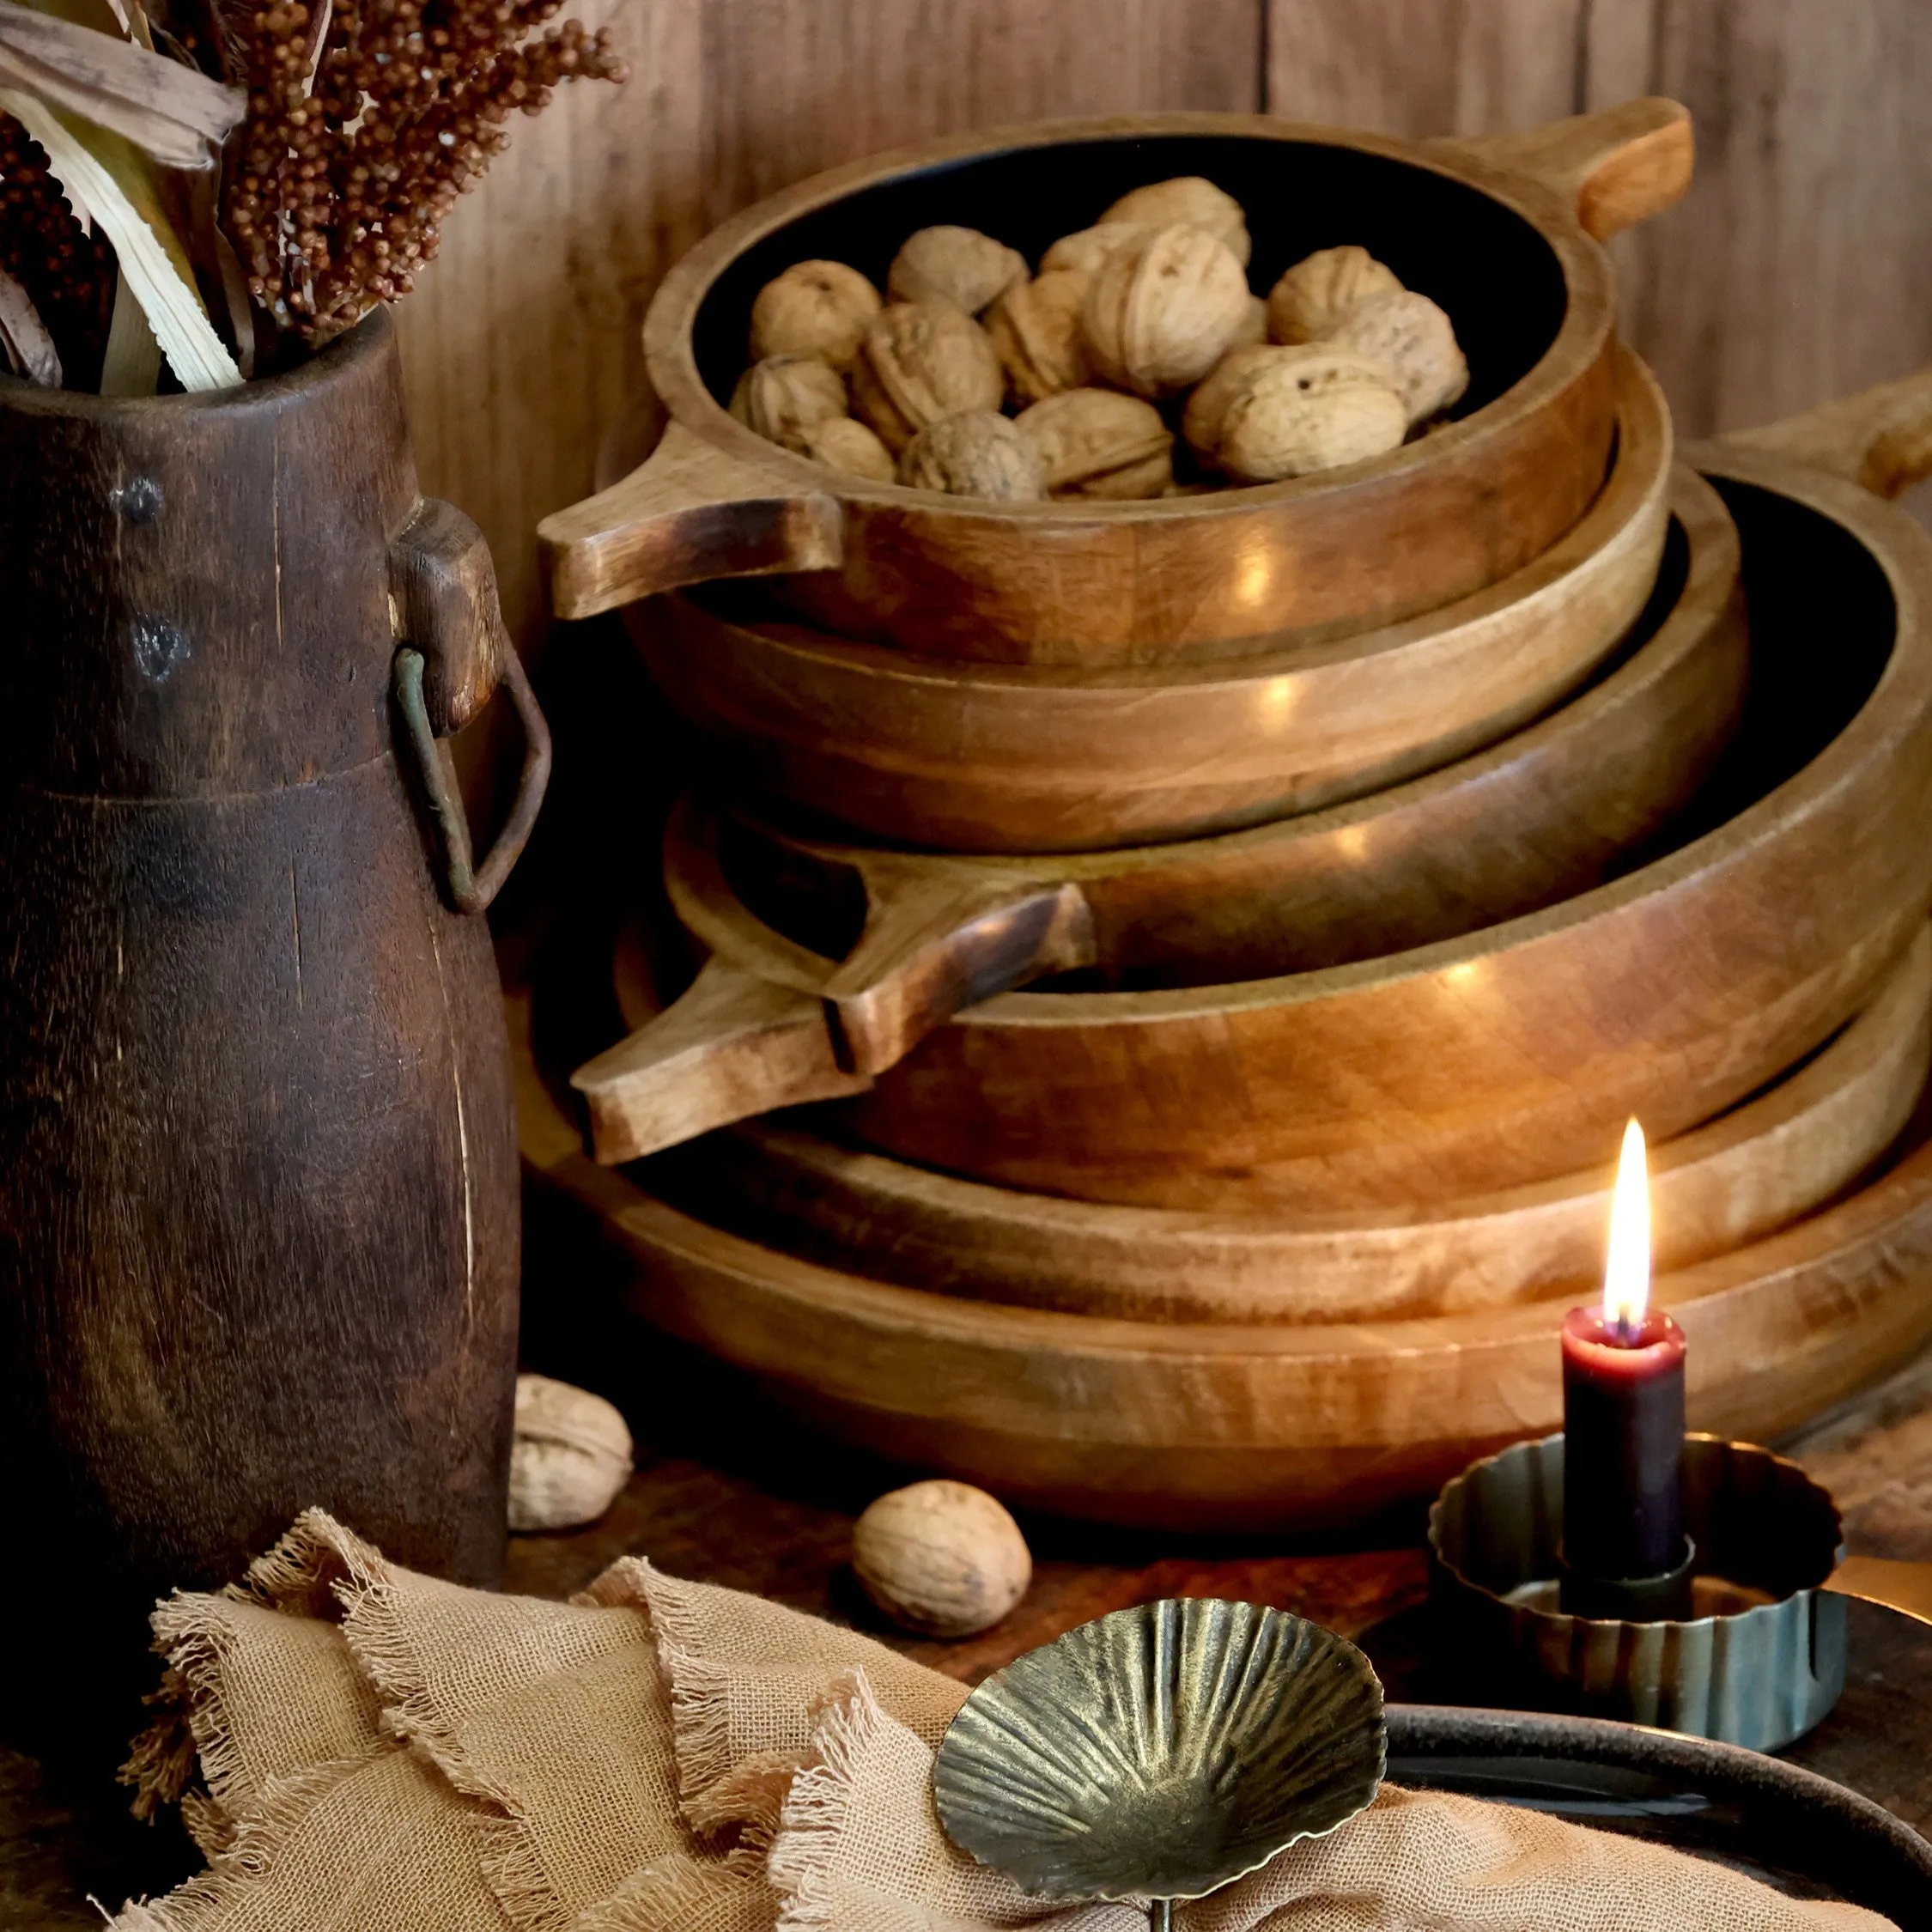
(729, 1492)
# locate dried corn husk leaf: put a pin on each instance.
(116, 182)
(174, 114)
(29, 349)
(132, 364)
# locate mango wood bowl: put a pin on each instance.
(1501, 233)
(981, 757)
(1225, 1425)
(829, 961)
(1766, 1163)
(1515, 1053)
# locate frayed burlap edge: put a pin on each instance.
(302, 1574)
(200, 1905)
(812, 1822)
(698, 1689)
(682, 1894)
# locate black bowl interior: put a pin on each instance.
(1497, 277)
(1823, 623)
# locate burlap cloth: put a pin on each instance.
(377, 1750)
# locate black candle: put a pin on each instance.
(1623, 1423)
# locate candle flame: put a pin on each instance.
(1626, 1274)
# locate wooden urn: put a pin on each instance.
(258, 1191)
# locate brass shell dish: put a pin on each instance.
(1159, 1752)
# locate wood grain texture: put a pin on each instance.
(1798, 267)
(1508, 1056)
(772, 1020)
(525, 339)
(986, 759)
(1166, 579)
(1222, 1426)
(1749, 1172)
(259, 1209)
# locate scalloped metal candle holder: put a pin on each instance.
(1761, 1661)
(1159, 1752)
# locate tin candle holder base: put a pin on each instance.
(1759, 1659)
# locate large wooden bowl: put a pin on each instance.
(1515, 1053)
(977, 757)
(1500, 234)
(913, 938)
(1772, 1159)
(1209, 1426)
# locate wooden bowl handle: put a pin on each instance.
(939, 936)
(689, 513)
(1881, 439)
(1617, 167)
(734, 1045)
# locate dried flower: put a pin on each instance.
(336, 190)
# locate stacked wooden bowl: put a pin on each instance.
(1368, 848)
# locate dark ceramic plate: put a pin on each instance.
(1791, 1828)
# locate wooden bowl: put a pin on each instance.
(1499, 233)
(978, 757)
(1515, 1053)
(1772, 1159)
(867, 951)
(1210, 1426)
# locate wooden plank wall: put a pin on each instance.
(1801, 267)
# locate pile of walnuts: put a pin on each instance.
(1148, 307)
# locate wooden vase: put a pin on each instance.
(258, 1193)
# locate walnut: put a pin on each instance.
(1086, 251)
(978, 453)
(1189, 199)
(814, 308)
(1416, 339)
(1160, 312)
(569, 1456)
(1099, 443)
(962, 266)
(1321, 289)
(920, 362)
(841, 444)
(1307, 409)
(1036, 331)
(941, 1558)
(784, 396)
(1200, 421)
(1255, 331)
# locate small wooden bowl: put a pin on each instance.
(1499, 233)
(1759, 1167)
(1214, 1426)
(916, 936)
(990, 758)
